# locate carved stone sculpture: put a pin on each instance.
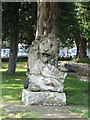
(45, 77)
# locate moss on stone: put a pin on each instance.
(34, 89)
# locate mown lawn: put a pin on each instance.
(76, 91)
(12, 85)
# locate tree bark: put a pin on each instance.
(14, 39)
(0, 31)
(0, 51)
(13, 52)
(47, 18)
(81, 47)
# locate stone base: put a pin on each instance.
(43, 98)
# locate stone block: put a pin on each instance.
(43, 98)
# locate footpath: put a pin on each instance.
(44, 111)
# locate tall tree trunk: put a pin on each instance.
(0, 31)
(47, 19)
(0, 52)
(81, 47)
(13, 52)
(14, 38)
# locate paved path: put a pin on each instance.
(44, 111)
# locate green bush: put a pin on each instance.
(5, 59)
(20, 59)
(83, 60)
(64, 59)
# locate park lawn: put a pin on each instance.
(12, 85)
(76, 91)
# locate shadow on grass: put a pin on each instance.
(12, 86)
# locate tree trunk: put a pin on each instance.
(13, 52)
(45, 79)
(47, 18)
(81, 47)
(0, 31)
(14, 38)
(0, 52)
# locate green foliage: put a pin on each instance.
(26, 25)
(67, 21)
(83, 18)
(85, 60)
(28, 17)
(74, 21)
(64, 59)
(21, 59)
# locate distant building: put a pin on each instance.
(21, 51)
(65, 52)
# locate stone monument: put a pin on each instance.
(45, 77)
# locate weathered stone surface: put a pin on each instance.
(79, 68)
(45, 78)
(43, 83)
(26, 83)
(43, 98)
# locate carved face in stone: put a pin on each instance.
(48, 49)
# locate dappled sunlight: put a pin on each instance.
(7, 97)
(21, 70)
(17, 79)
(70, 88)
(13, 87)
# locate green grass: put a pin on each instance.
(82, 60)
(12, 85)
(3, 113)
(83, 113)
(76, 91)
(26, 114)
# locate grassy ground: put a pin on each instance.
(12, 85)
(26, 114)
(76, 91)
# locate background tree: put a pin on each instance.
(75, 26)
(83, 17)
(0, 31)
(13, 22)
(18, 27)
